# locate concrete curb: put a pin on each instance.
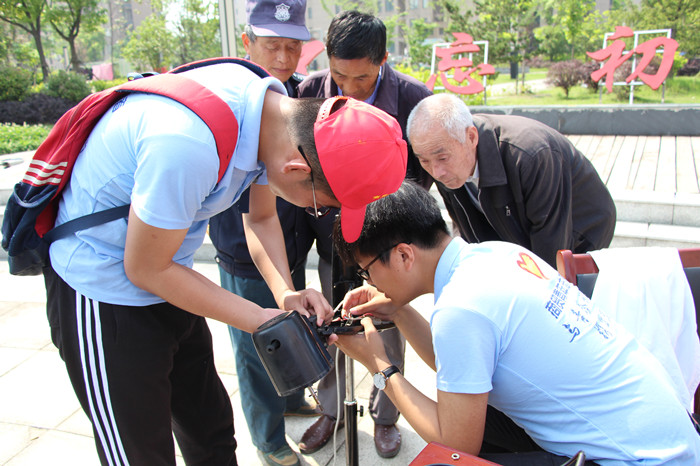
(622, 120)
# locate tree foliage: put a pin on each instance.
(27, 15)
(91, 45)
(571, 28)
(69, 17)
(574, 16)
(336, 6)
(5, 43)
(682, 16)
(197, 30)
(419, 52)
(507, 24)
(552, 40)
(150, 46)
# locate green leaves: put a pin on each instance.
(20, 138)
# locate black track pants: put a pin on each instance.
(142, 374)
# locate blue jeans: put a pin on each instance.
(262, 407)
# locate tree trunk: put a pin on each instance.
(74, 60)
(45, 71)
(523, 61)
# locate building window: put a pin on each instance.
(309, 14)
(128, 14)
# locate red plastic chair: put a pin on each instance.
(437, 454)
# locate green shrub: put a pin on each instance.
(622, 92)
(422, 74)
(589, 68)
(491, 78)
(15, 83)
(100, 85)
(679, 61)
(566, 74)
(67, 85)
(20, 138)
(473, 100)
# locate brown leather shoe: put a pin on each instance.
(318, 434)
(387, 440)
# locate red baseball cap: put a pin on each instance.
(363, 156)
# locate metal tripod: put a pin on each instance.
(345, 279)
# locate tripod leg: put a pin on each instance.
(345, 279)
(351, 442)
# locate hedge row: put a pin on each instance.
(35, 109)
(22, 103)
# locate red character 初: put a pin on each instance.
(463, 67)
(615, 56)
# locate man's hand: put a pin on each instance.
(309, 302)
(368, 300)
(367, 348)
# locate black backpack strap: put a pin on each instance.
(254, 67)
(86, 221)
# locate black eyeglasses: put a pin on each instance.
(364, 273)
(315, 211)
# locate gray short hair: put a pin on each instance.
(446, 110)
(249, 32)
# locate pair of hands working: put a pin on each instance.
(367, 348)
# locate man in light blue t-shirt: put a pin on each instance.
(126, 310)
(525, 363)
(274, 41)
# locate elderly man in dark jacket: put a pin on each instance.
(512, 179)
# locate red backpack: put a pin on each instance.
(30, 213)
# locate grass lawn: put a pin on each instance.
(533, 74)
(19, 138)
(679, 90)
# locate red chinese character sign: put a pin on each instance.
(309, 51)
(615, 55)
(458, 56)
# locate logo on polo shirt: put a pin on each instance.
(528, 264)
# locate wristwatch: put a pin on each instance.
(381, 377)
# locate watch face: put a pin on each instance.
(379, 381)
